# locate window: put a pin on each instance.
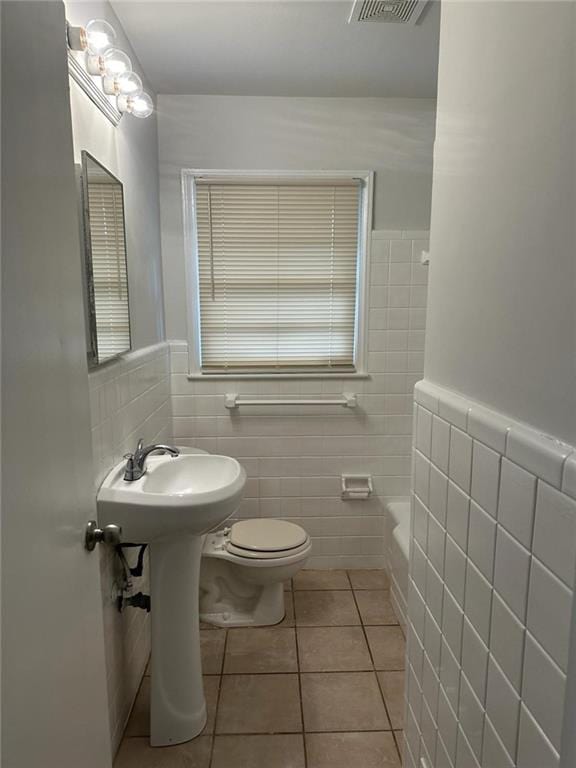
(279, 267)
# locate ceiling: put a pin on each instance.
(279, 48)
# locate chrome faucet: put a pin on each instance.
(136, 462)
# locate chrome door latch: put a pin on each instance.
(110, 534)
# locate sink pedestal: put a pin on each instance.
(177, 704)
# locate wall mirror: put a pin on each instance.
(106, 273)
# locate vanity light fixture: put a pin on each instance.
(103, 60)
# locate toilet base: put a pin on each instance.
(263, 608)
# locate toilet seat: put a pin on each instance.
(266, 539)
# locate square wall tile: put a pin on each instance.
(549, 612)
(555, 532)
(474, 660)
(424, 431)
(542, 455)
(502, 706)
(420, 523)
(440, 448)
(458, 504)
(511, 569)
(507, 641)
(481, 540)
(438, 494)
(450, 675)
(516, 501)
(478, 601)
(460, 463)
(421, 476)
(436, 542)
(534, 748)
(494, 752)
(455, 570)
(447, 725)
(471, 717)
(489, 427)
(485, 477)
(569, 476)
(543, 690)
(452, 621)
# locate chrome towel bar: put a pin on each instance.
(347, 400)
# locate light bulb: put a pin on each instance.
(127, 83)
(100, 36)
(110, 64)
(139, 106)
(115, 62)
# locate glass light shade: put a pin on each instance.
(141, 105)
(114, 63)
(127, 84)
(99, 36)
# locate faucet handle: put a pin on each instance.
(140, 445)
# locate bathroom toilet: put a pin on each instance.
(244, 568)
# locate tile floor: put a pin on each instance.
(323, 689)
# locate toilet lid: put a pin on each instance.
(267, 535)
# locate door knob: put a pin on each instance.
(110, 534)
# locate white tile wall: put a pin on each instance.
(295, 456)
(507, 580)
(129, 399)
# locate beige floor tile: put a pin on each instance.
(399, 736)
(281, 751)
(387, 646)
(139, 722)
(342, 701)
(342, 750)
(325, 608)
(376, 578)
(333, 649)
(212, 648)
(288, 620)
(392, 685)
(259, 704)
(375, 606)
(137, 753)
(267, 649)
(321, 580)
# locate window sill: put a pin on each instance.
(274, 376)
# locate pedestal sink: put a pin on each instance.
(170, 507)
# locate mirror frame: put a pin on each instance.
(90, 303)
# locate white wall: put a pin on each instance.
(294, 457)
(391, 136)
(502, 312)
(129, 397)
(130, 152)
(494, 522)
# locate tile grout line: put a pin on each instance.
(375, 671)
(299, 681)
(217, 707)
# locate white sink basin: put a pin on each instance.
(189, 494)
(170, 507)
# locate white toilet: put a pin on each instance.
(244, 568)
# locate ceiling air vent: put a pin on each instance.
(390, 11)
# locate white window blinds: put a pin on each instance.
(109, 276)
(277, 267)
